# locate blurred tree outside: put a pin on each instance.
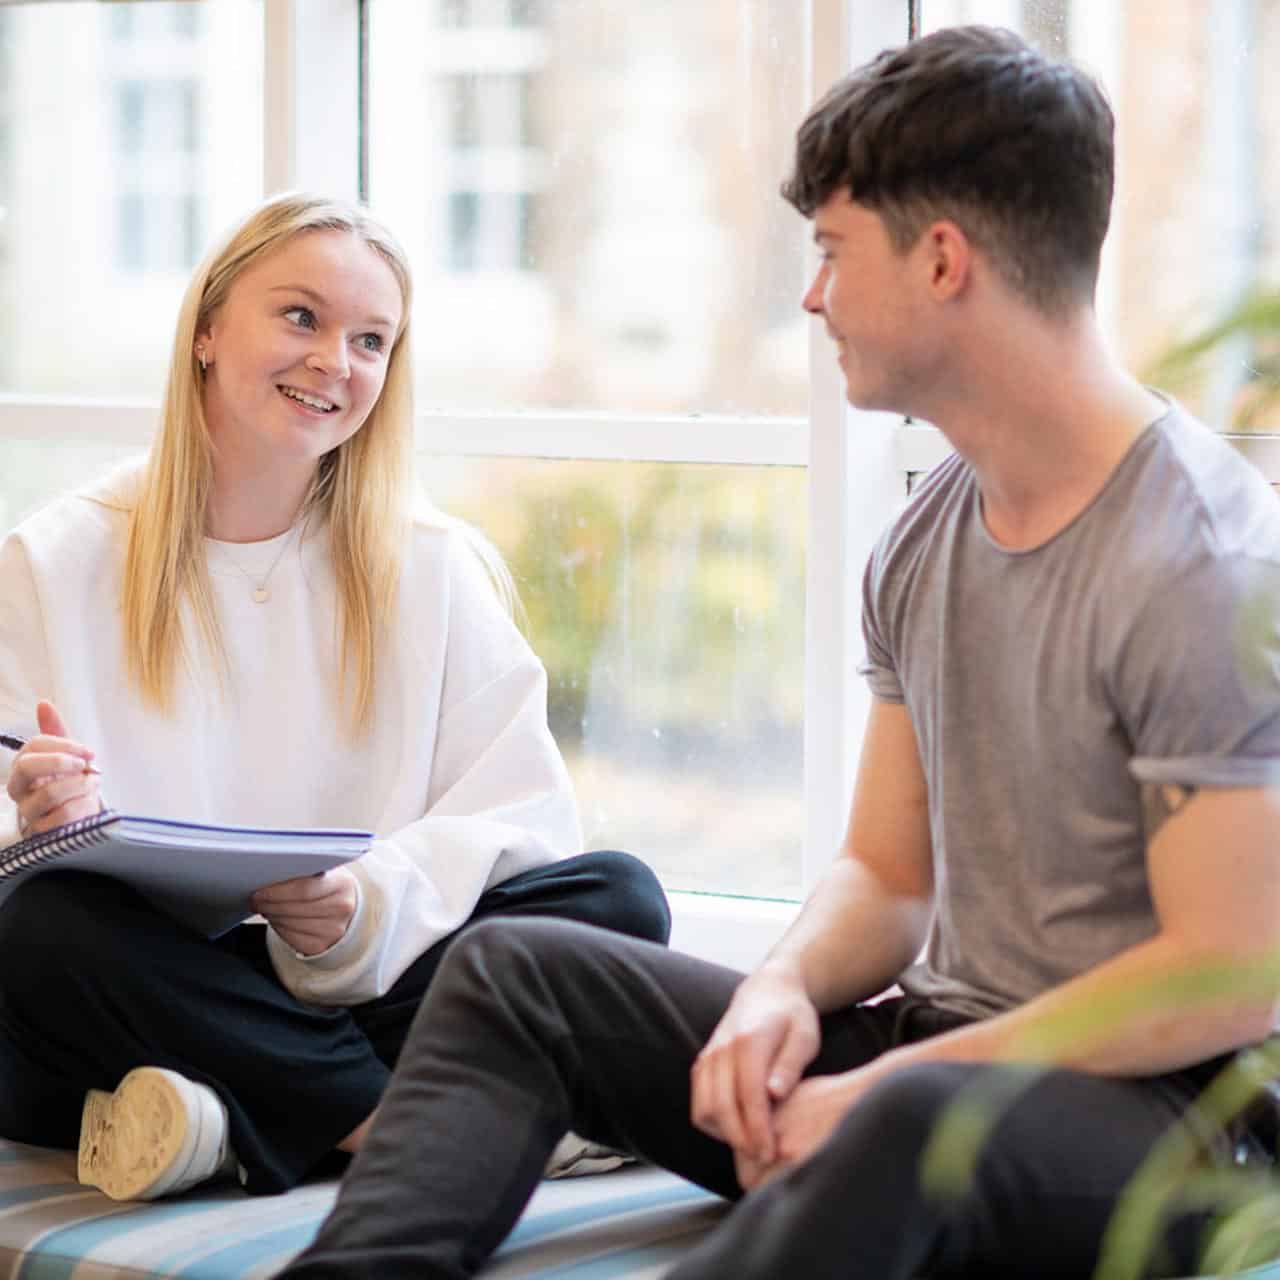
(660, 595)
(1247, 339)
(667, 603)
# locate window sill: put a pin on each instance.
(736, 932)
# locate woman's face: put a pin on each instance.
(297, 353)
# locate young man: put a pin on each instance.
(1073, 636)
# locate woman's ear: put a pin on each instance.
(203, 350)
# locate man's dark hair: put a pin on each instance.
(974, 125)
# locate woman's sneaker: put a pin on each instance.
(575, 1156)
(158, 1134)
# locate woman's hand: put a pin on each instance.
(310, 913)
(52, 779)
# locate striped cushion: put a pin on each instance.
(628, 1225)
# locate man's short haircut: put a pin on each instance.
(972, 124)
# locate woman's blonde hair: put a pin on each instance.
(363, 488)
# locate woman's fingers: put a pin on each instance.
(51, 789)
(46, 742)
(327, 891)
(49, 719)
(310, 913)
(310, 942)
(57, 801)
(325, 909)
(288, 893)
(31, 769)
(70, 810)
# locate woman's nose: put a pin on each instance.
(329, 358)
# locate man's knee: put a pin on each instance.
(505, 953)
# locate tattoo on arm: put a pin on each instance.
(1162, 801)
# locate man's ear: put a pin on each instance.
(948, 254)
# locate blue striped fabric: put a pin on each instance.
(628, 1225)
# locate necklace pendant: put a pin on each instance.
(261, 595)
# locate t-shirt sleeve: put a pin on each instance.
(878, 666)
(1198, 682)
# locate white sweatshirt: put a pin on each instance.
(459, 776)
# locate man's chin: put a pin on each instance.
(873, 399)
(863, 398)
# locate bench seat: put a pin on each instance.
(629, 1225)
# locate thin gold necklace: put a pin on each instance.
(261, 589)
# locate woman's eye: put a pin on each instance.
(303, 317)
(372, 341)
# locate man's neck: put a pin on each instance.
(1045, 416)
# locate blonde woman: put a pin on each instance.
(262, 626)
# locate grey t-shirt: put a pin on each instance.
(1139, 645)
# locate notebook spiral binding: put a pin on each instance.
(49, 845)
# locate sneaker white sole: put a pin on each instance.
(158, 1133)
(575, 1156)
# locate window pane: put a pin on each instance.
(33, 472)
(1194, 250)
(667, 603)
(129, 133)
(588, 190)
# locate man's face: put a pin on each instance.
(870, 298)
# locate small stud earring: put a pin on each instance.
(204, 359)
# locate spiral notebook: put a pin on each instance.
(203, 875)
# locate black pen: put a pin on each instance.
(16, 744)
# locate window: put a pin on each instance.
(131, 20)
(489, 13)
(615, 378)
(128, 134)
(156, 163)
(589, 191)
(493, 169)
(667, 604)
(615, 372)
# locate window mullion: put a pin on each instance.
(311, 87)
(854, 486)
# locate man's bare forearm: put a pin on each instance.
(853, 936)
(1135, 1015)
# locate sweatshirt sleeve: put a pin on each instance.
(499, 802)
(25, 675)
